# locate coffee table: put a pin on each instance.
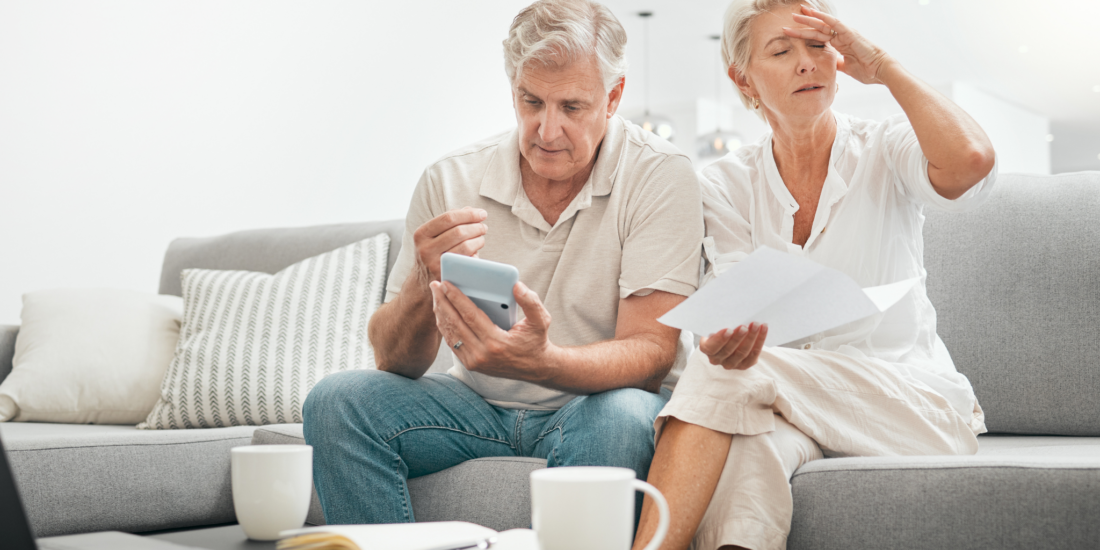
(222, 537)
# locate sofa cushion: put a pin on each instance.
(494, 492)
(252, 345)
(90, 356)
(1017, 492)
(1016, 285)
(7, 348)
(268, 250)
(81, 478)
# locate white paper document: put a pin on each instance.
(795, 296)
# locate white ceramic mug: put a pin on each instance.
(590, 508)
(272, 486)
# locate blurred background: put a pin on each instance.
(125, 124)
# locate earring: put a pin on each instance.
(755, 103)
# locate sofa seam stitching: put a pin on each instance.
(940, 468)
(126, 445)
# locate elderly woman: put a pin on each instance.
(848, 194)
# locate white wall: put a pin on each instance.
(868, 102)
(125, 124)
(1019, 136)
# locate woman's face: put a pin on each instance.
(794, 78)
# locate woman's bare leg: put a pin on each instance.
(686, 467)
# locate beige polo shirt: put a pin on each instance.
(635, 227)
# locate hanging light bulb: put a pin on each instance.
(657, 124)
(718, 143)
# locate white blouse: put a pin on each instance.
(868, 225)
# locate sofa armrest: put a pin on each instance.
(7, 348)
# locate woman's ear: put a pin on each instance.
(741, 81)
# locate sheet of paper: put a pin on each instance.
(886, 296)
(796, 297)
(517, 539)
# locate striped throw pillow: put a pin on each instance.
(252, 345)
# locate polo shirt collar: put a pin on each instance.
(502, 181)
(612, 155)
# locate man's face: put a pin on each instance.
(562, 114)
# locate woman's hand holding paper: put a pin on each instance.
(735, 349)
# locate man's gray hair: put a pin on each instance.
(555, 33)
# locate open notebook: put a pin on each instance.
(443, 535)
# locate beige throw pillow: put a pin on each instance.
(90, 356)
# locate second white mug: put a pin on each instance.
(590, 508)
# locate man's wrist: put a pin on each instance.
(545, 367)
(422, 276)
(416, 286)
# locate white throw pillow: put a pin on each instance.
(90, 356)
(252, 345)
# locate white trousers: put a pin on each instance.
(795, 406)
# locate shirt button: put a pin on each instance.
(807, 345)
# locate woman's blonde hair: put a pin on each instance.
(737, 32)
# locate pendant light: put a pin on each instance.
(657, 124)
(719, 142)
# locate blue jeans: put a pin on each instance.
(372, 430)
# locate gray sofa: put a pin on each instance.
(1017, 290)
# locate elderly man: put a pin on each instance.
(603, 222)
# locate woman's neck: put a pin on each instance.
(802, 148)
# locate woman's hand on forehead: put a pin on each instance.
(862, 60)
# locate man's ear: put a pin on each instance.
(615, 96)
(741, 81)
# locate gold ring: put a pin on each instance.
(834, 33)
